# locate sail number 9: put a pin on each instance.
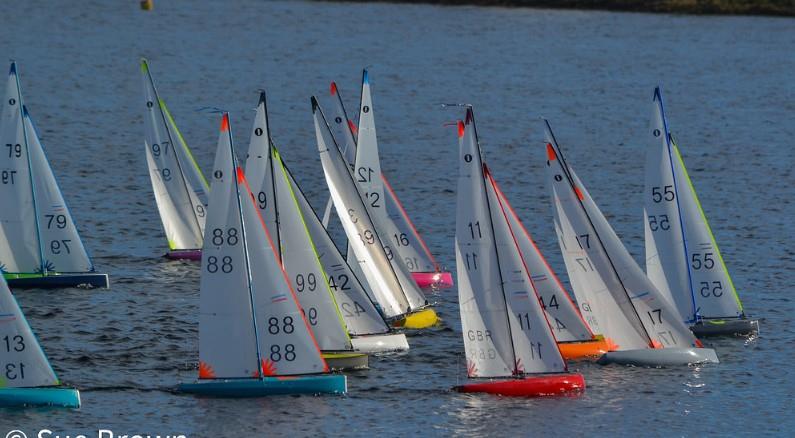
(665, 193)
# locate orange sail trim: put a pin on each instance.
(551, 156)
(281, 268)
(460, 129)
(579, 193)
(225, 122)
(586, 349)
(333, 88)
(206, 371)
(268, 367)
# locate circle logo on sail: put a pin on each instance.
(365, 109)
(468, 158)
(149, 104)
(258, 132)
(339, 119)
(218, 174)
(12, 101)
(656, 132)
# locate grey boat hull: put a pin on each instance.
(659, 357)
(726, 327)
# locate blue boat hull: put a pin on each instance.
(55, 281)
(238, 388)
(18, 397)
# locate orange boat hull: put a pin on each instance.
(585, 350)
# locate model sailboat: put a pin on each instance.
(398, 233)
(682, 256)
(302, 244)
(178, 183)
(27, 378)
(39, 243)
(620, 302)
(254, 340)
(507, 336)
(389, 280)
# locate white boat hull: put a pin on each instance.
(660, 357)
(380, 343)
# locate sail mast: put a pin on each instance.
(565, 168)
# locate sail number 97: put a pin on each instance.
(7, 176)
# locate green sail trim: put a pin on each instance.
(706, 223)
(184, 144)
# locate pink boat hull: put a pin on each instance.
(435, 280)
(184, 254)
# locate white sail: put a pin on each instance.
(566, 322)
(357, 308)
(184, 211)
(401, 242)
(344, 131)
(190, 168)
(716, 296)
(20, 245)
(496, 274)
(304, 269)
(259, 169)
(62, 247)
(365, 242)
(226, 303)
(666, 265)
(22, 360)
(653, 317)
(682, 257)
(245, 295)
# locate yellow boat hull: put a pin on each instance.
(418, 320)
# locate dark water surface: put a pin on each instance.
(730, 92)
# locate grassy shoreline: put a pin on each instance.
(781, 8)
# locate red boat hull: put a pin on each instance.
(535, 386)
(184, 254)
(435, 280)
